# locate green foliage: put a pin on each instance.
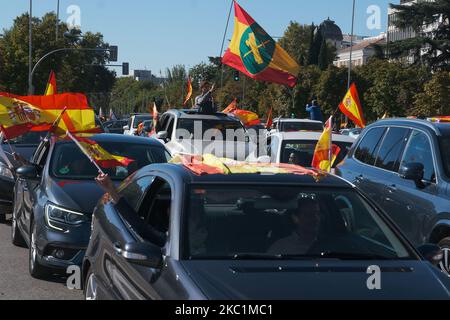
(435, 98)
(416, 16)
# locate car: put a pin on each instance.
(354, 133)
(133, 123)
(294, 125)
(55, 196)
(24, 146)
(115, 126)
(404, 165)
(188, 131)
(194, 232)
(283, 146)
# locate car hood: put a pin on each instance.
(330, 280)
(79, 196)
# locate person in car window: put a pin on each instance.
(294, 158)
(129, 214)
(204, 103)
(306, 230)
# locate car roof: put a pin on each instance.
(437, 128)
(180, 172)
(193, 114)
(309, 135)
(119, 138)
(297, 120)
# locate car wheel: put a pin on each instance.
(16, 236)
(90, 291)
(36, 270)
(444, 265)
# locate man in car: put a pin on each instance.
(306, 221)
(294, 158)
(315, 111)
(204, 103)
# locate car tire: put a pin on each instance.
(16, 236)
(90, 287)
(37, 271)
(444, 265)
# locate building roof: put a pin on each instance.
(330, 30)
(364, 44)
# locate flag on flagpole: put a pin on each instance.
(98, 155)
(231, 107)
(253, 52)
(21, 114)
(51, 85)
(351, 107)
(189, 92)
(326, 153)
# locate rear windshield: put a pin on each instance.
(300, 126)
(140, 119)
(68, 162)
(31, 138)
(302, 152)
(223, 127)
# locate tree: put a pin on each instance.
(323, 55)
(420, 16)
(295, 41)
(76, 71)
(312, 50)
(435, 98)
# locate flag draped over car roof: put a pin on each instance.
(253, 52)
(21, 114)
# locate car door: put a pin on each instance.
(359, 168)
(412, 207)
(133, 281)
(28, 188)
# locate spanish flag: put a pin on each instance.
(233, 106)
(351, 107)
(51, 86)
(19, 115)
(102, 157)
(269, 122)
(326, 153)
(189, 92)
(253, 52)
(247, 118)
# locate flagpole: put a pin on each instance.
(351, 47)
(223, 41)
(85, 153)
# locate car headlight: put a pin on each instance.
(6, 172)
(57, 217)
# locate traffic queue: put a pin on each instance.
(202, 206)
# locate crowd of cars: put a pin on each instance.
(189, 231)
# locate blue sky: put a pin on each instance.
(155, 34)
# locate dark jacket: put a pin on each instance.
(205, 103)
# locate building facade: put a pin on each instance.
(361, 52)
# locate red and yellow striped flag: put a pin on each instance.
(326, 153)
(19, 115)
(189, 92)
(351, 107)
(51, 86)
(102, 157)
(253, 52)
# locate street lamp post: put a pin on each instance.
(30, 48)
(57, 20)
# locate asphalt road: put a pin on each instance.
(16, 282)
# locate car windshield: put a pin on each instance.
(278, 222)
(302, 152)
(445, 150)
(68, 162)
(225, 128)
(31, 138)
(301, 126)
(140, 119)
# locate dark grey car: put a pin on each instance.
(234, 237)
(404, 166)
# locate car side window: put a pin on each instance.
(135, 192)
(368, 147)
(419, 150)
(392, 148)
(170, 127)
(156, 207)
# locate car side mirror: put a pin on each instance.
(29, 172)
(431, 253)
(126, 128)
(142, 253)
(162, 135)
(413, 171)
